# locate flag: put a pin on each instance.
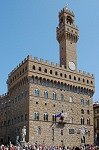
(58, 115)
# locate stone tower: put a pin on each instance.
(67, 36)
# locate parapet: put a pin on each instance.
(46, 62)
(29, 57)
(66, 10)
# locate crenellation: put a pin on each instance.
(41, 60)
(35, 59)
(66, 10)
(53, 64)
(47, 61)
(57, 65)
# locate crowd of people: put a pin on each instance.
(45, 147)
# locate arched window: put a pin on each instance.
(39, 130)
(61, 74)
(36, 116)
(88, 121)
(71, 99)
(65, 76)
(33, 67)
(50, 71)
(71, 120)
(82, 111)
(69, 76)
(39, 68)
(56, 73)
(54, 96)
(69, 20)
(45, 94)
(87, 102)
(45, 116)
(88, 112)
(82, 120)
(45, 70)
(62, 97)
(88, 81)
(78, 79)
(82, 101)
(36, 92)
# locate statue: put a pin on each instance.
(23, 133)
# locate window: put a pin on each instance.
(61, 132)
(87, 102)
(50, 71)
(82, 101)
(91, 82)
(20, 72)
(54, 118)
(69, 76)
(39, 130)
(83, 80)
(71, 99)
(54, 96)
(71, 120)
(82, 121)
(74, 78)
(78, 79)
(61, 74)
(62, 97)
(23, 70)
(65, 76)
(88, 121)
(39, 68)
(33, 67)
(36, 116)
(71, 131)
(82, 111)
(45, 116)
(36, 92)
(45, 70)
(56, 73)
(97, 123)
(88, 81)
(88, 112)
(45, 94)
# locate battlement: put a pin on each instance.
(66, 10)
(20, 64)
(46, 62)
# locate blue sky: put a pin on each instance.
(28, 27)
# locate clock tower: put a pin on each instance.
(67, 36)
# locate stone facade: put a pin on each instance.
(53, 101)
(96, 123)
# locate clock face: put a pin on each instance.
(72, 66)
